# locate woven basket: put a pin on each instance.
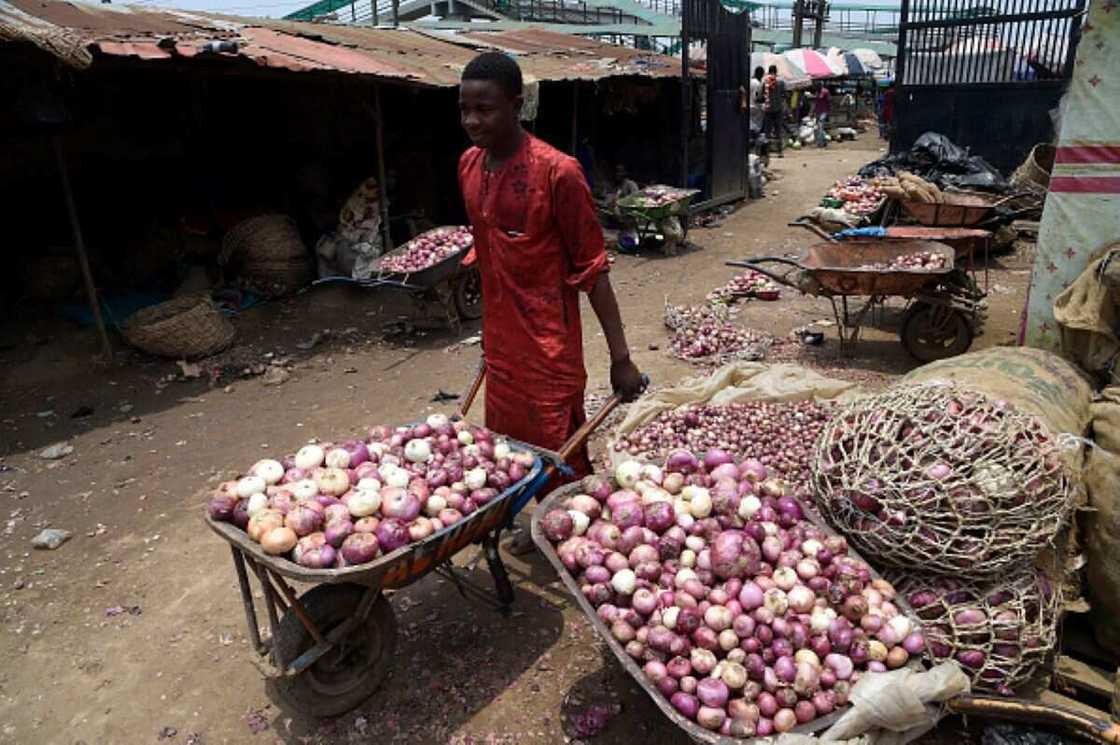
(263, 238)
(275, 278)
(183, 328)
(1034, 173)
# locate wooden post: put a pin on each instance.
(376, 13)
(80, 245)
(384, 186)
(396, 13)
(818, 30)
(798, 19)
(575, 117)
(686, 92)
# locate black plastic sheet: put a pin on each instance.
(938, 159)
(1013, 734)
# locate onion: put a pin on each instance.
(269, 470)
(557, 525)
(400, 504)
(333, 482)
(686, 704)
(392, 533)
(250, 485)
(309, 456)
(359, 548)
(221, 507)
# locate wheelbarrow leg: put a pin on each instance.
(247, 601)
(502, 586)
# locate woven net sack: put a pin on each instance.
(940, 479)
(186, 327)
(999, 633)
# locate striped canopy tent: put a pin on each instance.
(869, 58)
(793, 76)
(815, 64)
(846, 61)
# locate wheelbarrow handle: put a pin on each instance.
(580, 436)
(801, 222)
(472, 392)
(1094, 729)
(756, 265)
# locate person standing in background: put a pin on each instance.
(822, 107)
(773, 107)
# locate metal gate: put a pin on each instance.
(728, 37)
(985, 75)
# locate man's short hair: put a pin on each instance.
(498, 68)
(759, 72)
(773, 69)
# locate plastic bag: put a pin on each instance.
(897, 707)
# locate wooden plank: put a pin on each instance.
(1085, 677)
(1057, 699)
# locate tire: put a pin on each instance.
(467, 289)
(932, 333)
(347, 675)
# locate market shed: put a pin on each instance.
(172, 126)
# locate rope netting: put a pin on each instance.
(999, 633)
(943, 480)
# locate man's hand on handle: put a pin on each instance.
(627, 380)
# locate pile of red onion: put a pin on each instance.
(780, 434)
(340, 504)
(703, 334)
(427, 250)
(746, 284)
(860, 197)
(999, 632)
(745, 616)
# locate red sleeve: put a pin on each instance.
(578, 223)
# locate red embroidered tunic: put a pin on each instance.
(538, 242)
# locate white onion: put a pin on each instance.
(628, 473)
(309, 456)
(580, 522)
(338, 458)
(418, 451)
(501, 450)
(434, 505)
(269, 470)
(700, 506)
(256, 503)
(368, 483)
(250, 485)
(624, 581)
(364, 503)
(465, 437)
(304, 489)
(475, 478)
(394, 475)
(435, 421)
(748, 506)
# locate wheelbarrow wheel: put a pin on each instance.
(467, 289)
(348, 674)
(933, 332)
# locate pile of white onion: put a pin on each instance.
(747, 617)
(335, 505)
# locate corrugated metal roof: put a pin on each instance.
(79, 32)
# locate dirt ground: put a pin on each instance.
(132, 632)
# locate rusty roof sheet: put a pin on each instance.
(78, 32)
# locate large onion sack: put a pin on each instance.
(999, 633)
(940, 479)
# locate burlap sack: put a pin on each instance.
(1034, 381)
(738, 381)
(1101, 525)
(1087, 316)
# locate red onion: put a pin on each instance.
(686, 704)
(392, 533)
(358, 548)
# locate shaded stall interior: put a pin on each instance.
(164, 157)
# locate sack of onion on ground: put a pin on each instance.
(746, 616)
(779, 434)
(333, 505)
(705, 335)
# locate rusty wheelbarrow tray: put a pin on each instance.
(945, 308)
(692, 729)
(959, 210)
